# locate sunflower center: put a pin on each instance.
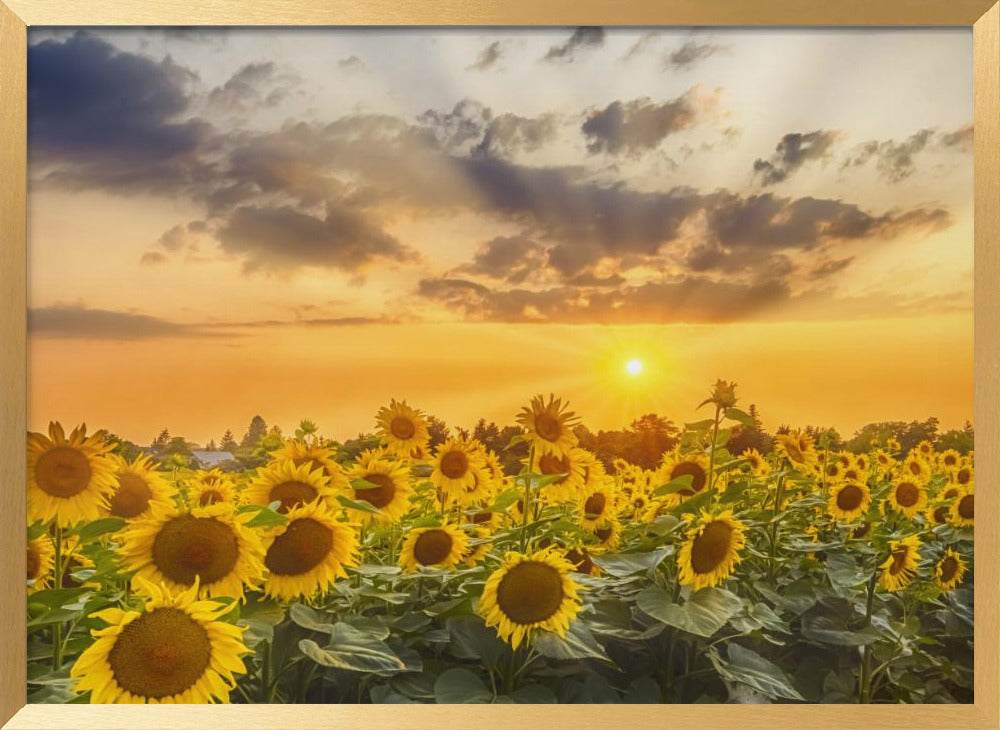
(454, 464)
(132, 497)
(402, 428)
(851, 474)
(62, 472)
(160, 654)
(861, 531)
(963, 476)
(951, 493)
(381, 494)
(481, 517)
(694, 470)
(595, 504)
(34, 562)
(552, 464)
(967, 507)
(941, 514)
(850, 497)
(915, 468)
(950, 460)
(291, 494)
(949, 566)
(530, 592)
(300, 548)
(898, 560)
(833, 470)
(581, 561)
(189, 546)
(209, 496)
(604, 533)
(907, 494)
(432, 547)
(710, 548)
(548, 426)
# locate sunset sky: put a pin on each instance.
(307, 223)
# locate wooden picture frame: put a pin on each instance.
(16, 15)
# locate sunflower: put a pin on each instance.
(695, 466)
(210, 545)
(579, 558)
(849, 500)
(305, 556)
(834, 470)
(798, 447)
(73, 560)
(41, 560)
(454, 463)
(915, 467)
(290, 485)
(757, 463)
(963, 508)
(854, 473)
(711, 550)
(221, 491)
(884, 460)
(567, 488)
(949, 459)
(530, 592)
(391, 493)
(964, 474)
(138, 485)
(925, 448)
(861, 531)
(402, 428)
(598, 507)
(608, 536)
(907, 496)
(176, 650)
(69, 479)
(315, 456)
(434, 547)
(949, 570)
(901, 565)
(548, 426)
(938, 514)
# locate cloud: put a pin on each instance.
(961, 139)
(792, 152)
(691, 53)
(507, 134)
(153, 258)
(285, 239)
(487, 57)
(510, 258)
(256, 85)
(893, 160)
(640, 125)
(640, 45)
(585, 37)
(351, 63)
(99, 115)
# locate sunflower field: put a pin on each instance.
(415, 574)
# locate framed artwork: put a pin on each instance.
(467, 365)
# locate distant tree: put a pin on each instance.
(273, 440)
(256, 431)
(908, 434)
(228, 441)
(654, 435)
(307, 431)
(122, 447)
(963, 441)
(160, 442)
(438, 431)
(210, 446)
(746, 437)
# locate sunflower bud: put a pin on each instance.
(724, 394)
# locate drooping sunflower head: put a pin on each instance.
(849, 500)
(138, 485)
(949, 570)
(306, 555)
(41, 559)
(963, 508)
(571, 465)
(690, 465)
(581, 561)
(756, 462)
(915, 467)
(401, 427)
(385, 485)
(608, 537)
(711, 550)
(528, 593)
(598, 507)
(176, 650)
(210, 545)
(861, 531)
(548, 426)
(289, 485)
(443, 546)
(907, 496)
(798, 447)
(901, 565)
(69, 479)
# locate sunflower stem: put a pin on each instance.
(57, 643)
(711, 457)
(265, 672)
(864, 689)
(527, 500)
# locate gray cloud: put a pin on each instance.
(584, 37)
(793, 151)
(691, 53)
(351, 63)
(487, 58)
(640, 45)
(961, 139)
(508, 133)
(510, 258)
(256, 85)
(640, 125)
(893, 160)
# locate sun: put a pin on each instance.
(633, 367)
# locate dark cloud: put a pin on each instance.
(507, 134)
(893, 160)
(487, 57)
(793, 151)
(510, 258)
(256, 85)
(961, 138)
(691, 53)
(830, 267)
(285, 239)
(640, 125)
(464, 123)
(98, 115)
(585, 37)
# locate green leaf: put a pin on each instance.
(533, 694)
(267, 517)
(358, 504)
(622, 564)
(837, 631)
(360, 484)
(674, 485)
(353, 650)
(472, 639)
(700, 425)
(844, 572)
(735, 414)
(750, 668)
(578, 643)
(704, 613)
(100, 527)
(514, 441)
(310, 618)
(505, 500)
(460, 686)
